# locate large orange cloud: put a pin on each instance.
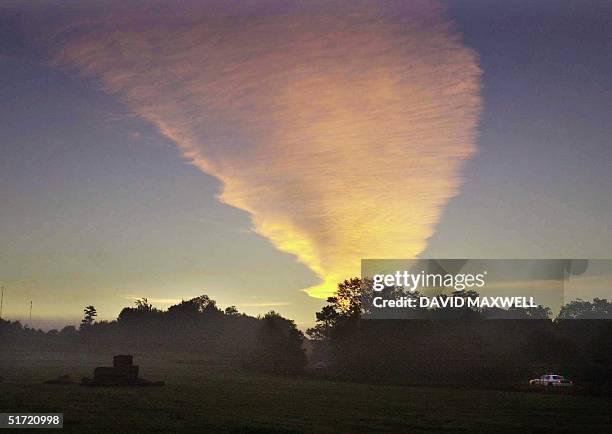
(341, 129)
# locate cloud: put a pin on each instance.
(341, 128)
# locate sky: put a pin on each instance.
(257, 153)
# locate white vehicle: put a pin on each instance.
(551, 380)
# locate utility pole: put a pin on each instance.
(1, 302)
(30, 312)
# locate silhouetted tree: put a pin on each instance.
(581, 309)
(89, 316)
(143, 305)
(326, 320)
(144, 311)
(279, 346)
(231, 311)
(202, 304)
(344, 306)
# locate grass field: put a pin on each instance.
(200, 397)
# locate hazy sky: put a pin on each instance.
(252, 152)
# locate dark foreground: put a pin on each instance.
(200, 396)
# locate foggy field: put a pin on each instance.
(199, 396)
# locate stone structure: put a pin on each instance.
(122, 373)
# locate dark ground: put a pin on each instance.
(201, 396)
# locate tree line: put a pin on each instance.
(457, 346)
(196, 326)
